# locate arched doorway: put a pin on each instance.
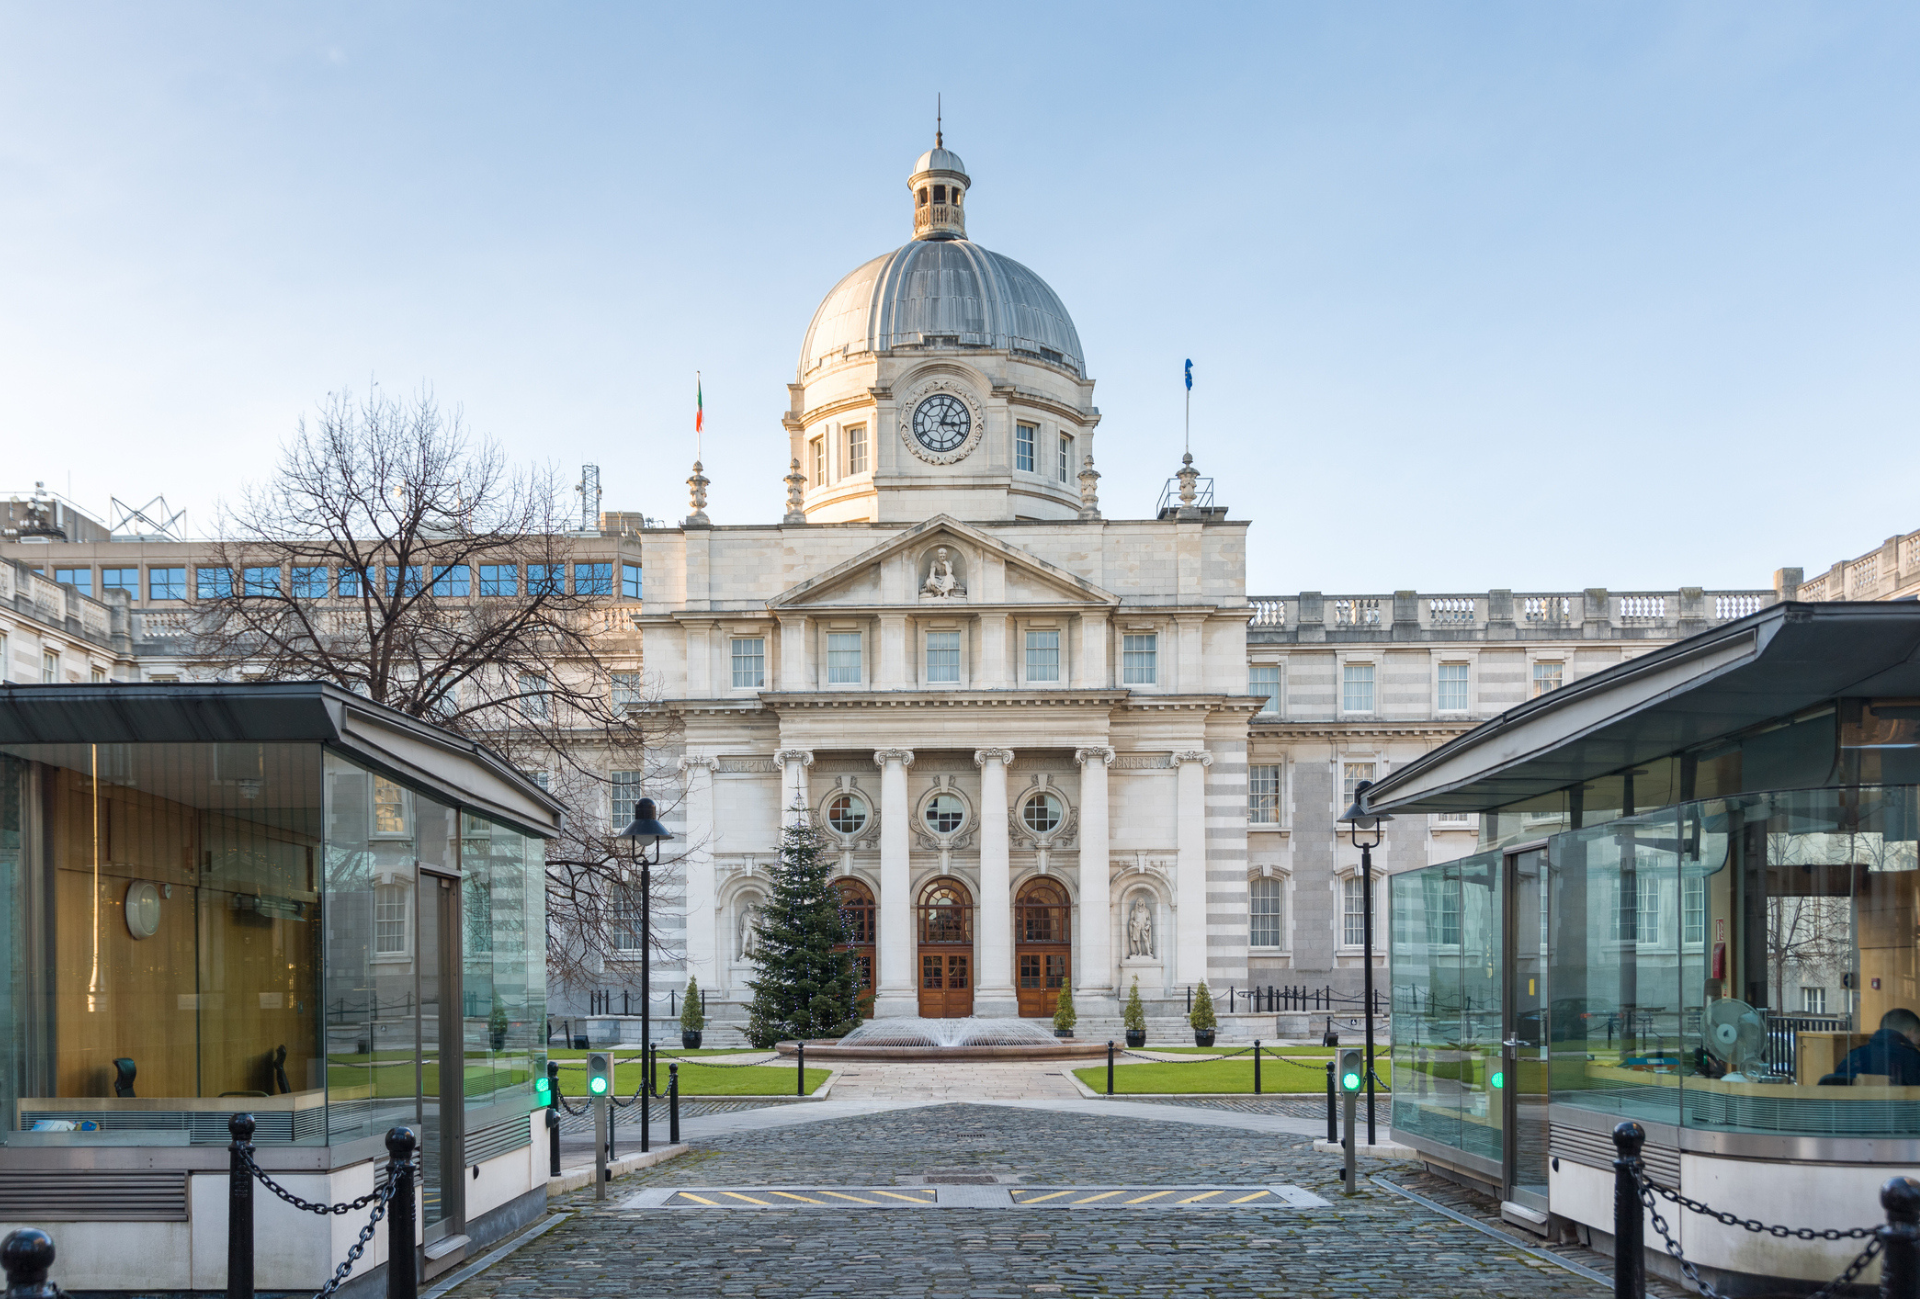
(1043, 947)
(945, 927)
(856, 905)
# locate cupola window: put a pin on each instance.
(923, 196)
(939, 193)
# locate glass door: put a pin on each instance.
(442, 1160)
(1524, 1075)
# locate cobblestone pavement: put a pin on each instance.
(1375, 1244)
(690, 1108)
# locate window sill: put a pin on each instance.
(392, 958)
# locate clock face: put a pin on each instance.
(942, 423)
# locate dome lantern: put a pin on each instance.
(939, 183)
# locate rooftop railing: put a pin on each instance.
(1891, 571)
(1595, 611)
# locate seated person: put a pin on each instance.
(1894, 1051)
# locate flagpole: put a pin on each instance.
(699, 425)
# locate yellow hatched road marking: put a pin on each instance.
(910, 1199)
(1091, 1198)
(765, 1204)
(1203, 1195)
(1035, 1199)
(1142, 1199)
(713, 1204)
(1243, 1199)
(804, 1199)
(841, 1195)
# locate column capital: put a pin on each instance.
(1094, 753)
(1200, 756)
(787, 757)
(699, 761)
(881, 757)
(981, 757)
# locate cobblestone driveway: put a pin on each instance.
(1375, 1244)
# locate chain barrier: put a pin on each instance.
(380, 1198)
(1191, 1059)
(1650, 1189)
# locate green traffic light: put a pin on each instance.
(598, 1086)
(540, 1085)
(1499, 1080)
(1351, 1081)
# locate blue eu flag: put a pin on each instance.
(1189, 374)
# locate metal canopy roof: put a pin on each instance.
(445, 765)
(1770, 664)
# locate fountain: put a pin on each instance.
(912, 1038)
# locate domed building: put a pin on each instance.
(1020, 726)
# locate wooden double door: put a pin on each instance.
(1043, 947)
(944, 928)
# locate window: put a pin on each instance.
(1042, 813)
(1356, 688)
(1023, 436)
(1693, 910)
(1351, 774)
(1139, 659)
(212, 583)
(1452, 695)
(452, 580)
(847, 814)
(120, 579)
(309, 583)
(261, 581)
(354, 583)
(50, 668)
(1353, 915)
(624, 790)
(6, 664)
(166, 584)
(1066, 457)
(943, 657)
(1443, 910)
(498, 579)
(391, 923)
(1263, 794)
(843, 658)
(1265, 899)
(1043, 656)
(628, 934)
(1646, 927)
(546, 579)
(389, 807)
(626, 688)
(1813, 1001)
(593, 579)
(749, 662)
(1263, 679)
(857, 449)
(819, 462)
(1546, 676)
(80, 579)
(406, 579)
(533, 695)
(630, 581)
(99, 675)
(945, 813)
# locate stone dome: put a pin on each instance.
(934, 292)
(939, 158)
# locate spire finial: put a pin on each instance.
(936, 119)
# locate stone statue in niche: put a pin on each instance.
(943, 576)
(749, 933)
(1140, 927)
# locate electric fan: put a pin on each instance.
(1735, 1036)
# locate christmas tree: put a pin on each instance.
(803, 981)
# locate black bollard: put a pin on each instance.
(613, 1126)
(1256, 1066)
(1333, 1124)
(553, 1116)
(800, 1069)
(646, 1097)
(673, 1102)
(402, 1280)
(1900, 1239)
(1109, 1066)
(27, 1256)
(240, 1208)
(1629, 1226)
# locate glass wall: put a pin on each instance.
(1447, 963)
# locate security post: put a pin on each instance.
(547, 1091)
(673, 1102)
(1353, 1075)
(599, 1086)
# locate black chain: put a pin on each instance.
(307, 1206)
(1192, 1059)
(1648, 1189)
(360, 1246)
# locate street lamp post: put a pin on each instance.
(643, 832)
(1359, 820)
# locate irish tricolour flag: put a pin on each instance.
(699, 404)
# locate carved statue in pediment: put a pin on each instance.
(943, 576)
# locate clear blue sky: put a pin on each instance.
(1535, 296)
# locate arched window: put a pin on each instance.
(1266, 903)
(1043, 911)
(856, 904)
(946, 913)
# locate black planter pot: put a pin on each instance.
(1136, 1038)
(1063, 1033)
(1203, 1037)
(689, 1041)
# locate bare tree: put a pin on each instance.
(394, 555)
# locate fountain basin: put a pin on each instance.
(909, 1038)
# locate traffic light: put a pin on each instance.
(543, 1087)
(1353, 1070)
(599, 1073)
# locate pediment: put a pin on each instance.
(978, 568)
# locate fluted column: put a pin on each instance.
(993, 994)
(1190, 873)
(1095, 930)
(795, 798)
(898, 991)
(703, 837)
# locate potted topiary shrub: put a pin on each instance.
(1202, 1017)
(1135, 1017)
(497, 1026)
(1063, 1017)
(692, 1017)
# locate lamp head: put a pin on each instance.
(645, 827)
(1360, 819)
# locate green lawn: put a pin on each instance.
(695, 1079)
(1220, 1077)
